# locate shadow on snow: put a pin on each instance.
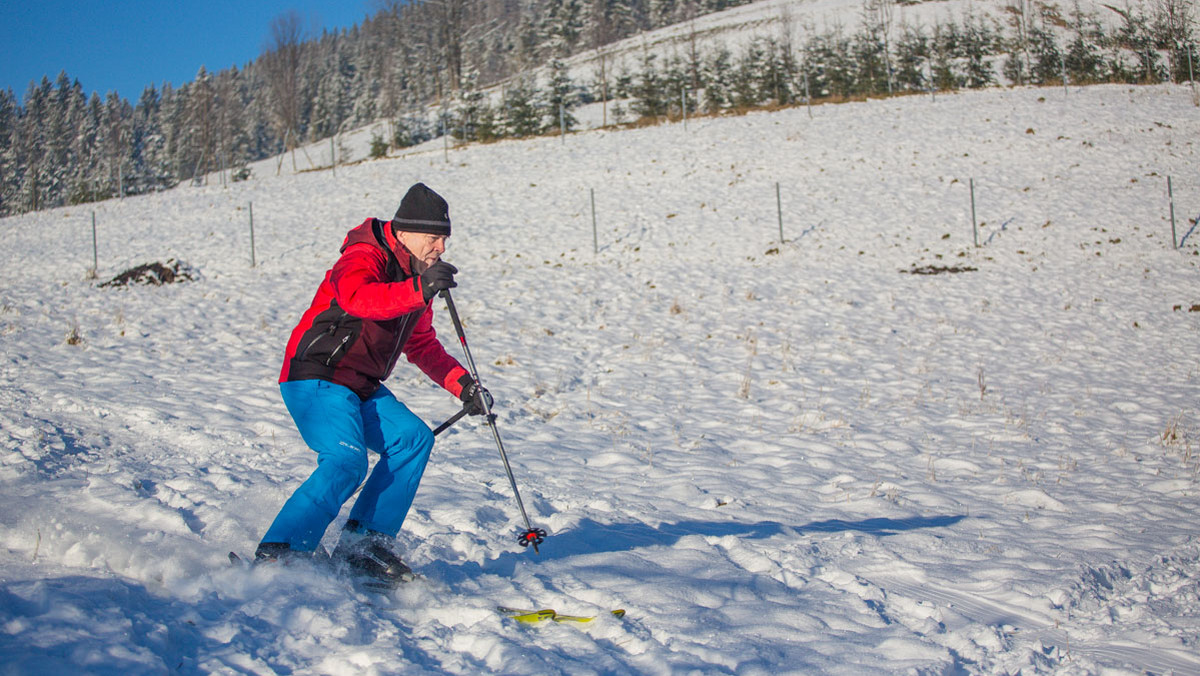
(592, 537)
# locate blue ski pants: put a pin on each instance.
(340, 427)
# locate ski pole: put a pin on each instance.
(531, 536)
(450, 421)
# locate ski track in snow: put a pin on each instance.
(777, 457)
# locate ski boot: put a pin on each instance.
(368, 557)
(281, 552)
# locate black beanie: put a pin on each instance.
(422, 210)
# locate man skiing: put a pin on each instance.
(373, 305)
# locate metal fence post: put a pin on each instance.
(779, 210)
(595, 236)
(252, 261)
(974, 222)
(1171, 200)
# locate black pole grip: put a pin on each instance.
(450, 421)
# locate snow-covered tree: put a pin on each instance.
(59, 144)
(1174, 26)
(830, 68)
(1083, 59)
(562, 27)
(662, 13)
(560, 97)
(647, 90)
(520, 111)
(716, 77)
(471, 111)
(870, 64)
(943, 47)
(976, 45)
(1136, 58)
(912, 58)
(9, 166)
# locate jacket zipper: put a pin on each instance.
(327, 332)
(345, 339)
(399, 335)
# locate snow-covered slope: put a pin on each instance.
(778, 457)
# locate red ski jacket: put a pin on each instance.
(367, 311)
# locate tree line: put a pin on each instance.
(58, 146)
(1027, 44)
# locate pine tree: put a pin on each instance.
(233, 140)
(561, 97)
(976, 46)
(562, 27)
(694, 59)
(31, 146)
(469, 109)
(647, 91)
(9, 108)
(675, 80)
(945, 42)
(151, 167)
(870, 72)
(662, 13)
(912, 56)
(746, 84)
(628, 17)
(779, 72)
(117, 114)
(623, 83)
(873, 47)
(1083, 59)
(832, 70)
(1173, 26)
(520, 112)
(411, 128)
(1014, 67)
(487, 127)
(65, 119)
(526, 41)
(1135, 36)
(86, 180)
(449, 19)
(1046, 56)
(717, 81)
(332, 105)
(201, 127)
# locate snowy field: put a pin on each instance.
(777, 457)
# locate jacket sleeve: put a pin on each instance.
(426, 352)
(361, 286)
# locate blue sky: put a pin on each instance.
(125, 45)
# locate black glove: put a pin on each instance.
(436, 278)
(474, 397)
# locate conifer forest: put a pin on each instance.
(481, 70)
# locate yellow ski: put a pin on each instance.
(533, 616)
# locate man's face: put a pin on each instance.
(426, 247)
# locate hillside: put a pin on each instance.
(515, 74)
(777, 456)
